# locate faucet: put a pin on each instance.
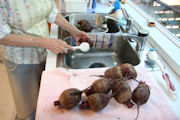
(140, 38)
(128, 19)
(126, 27)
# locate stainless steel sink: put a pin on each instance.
(99, 20)
(92, 59)
(120, 52)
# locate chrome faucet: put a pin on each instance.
(126, 27)
(140, 38)
(128, 19)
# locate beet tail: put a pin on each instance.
(137, 112)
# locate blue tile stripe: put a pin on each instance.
(96, 40)
(102, 45)
(111, 40)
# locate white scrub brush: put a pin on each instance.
(84, 47)
(153, 57)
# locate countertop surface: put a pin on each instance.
(54, 82)
(155, 74)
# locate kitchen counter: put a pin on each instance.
(154, 74)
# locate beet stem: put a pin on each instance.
(115, 93)
(136, 80)
(97, 75)
(119, 79)
(86, 88)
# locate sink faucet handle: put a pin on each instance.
(143, 32)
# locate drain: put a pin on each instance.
(96, 65)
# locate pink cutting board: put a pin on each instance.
(54, 82)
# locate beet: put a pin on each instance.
(69, 98)
(85, 26)
(125, 94)
(85, 39)
(114, 73)
(140, 95)
(82, 21)
(128, 71)
(103, 85)
(97, 101)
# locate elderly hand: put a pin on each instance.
(78, 35)
(57, 46)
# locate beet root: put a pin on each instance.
(69, 98)
(114, 73)
(98, 101)
(103, 85)
(85, 26)
(128, 71)
(125, 94)
(85, 39)
(140, 95)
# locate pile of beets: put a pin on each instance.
(113, 84)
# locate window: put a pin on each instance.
(166, 12)
(166, 44)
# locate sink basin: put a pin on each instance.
(96, 20)
(120, 52)
(111, 25)
(95, 58)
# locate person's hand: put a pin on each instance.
(78, 35)
(57, 46)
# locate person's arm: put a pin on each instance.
(77, 34)
(56, 17)
(54, 45)
(61, 21)
(7, 38)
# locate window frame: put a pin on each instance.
(160, 38)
